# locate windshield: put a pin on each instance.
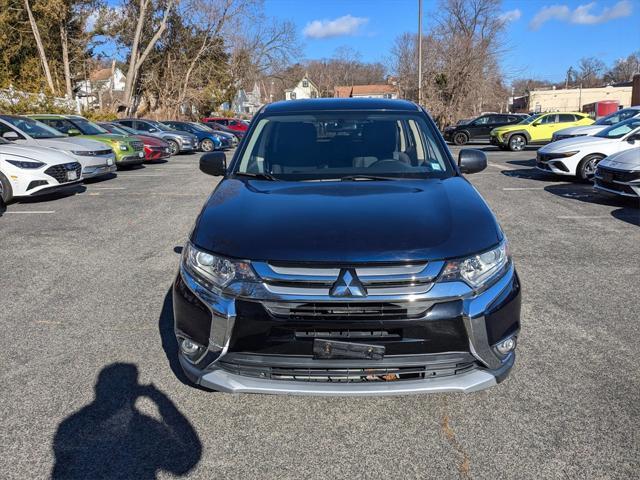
(617, 117)
(161, 126)
(86, 127)
(327, 146)
(119, 130)
(33, 128)
(619, 130)
(530, 119)
(200, 128)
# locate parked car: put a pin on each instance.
(619, 174)
(598, 125)
(292, 283)
(579, 156)
(216, 126)
(536, 129)
(179, 141)
(128, 150)
(479, 128)
(207, 140)
(27, 171)
(154, 148)
(235, 124)
(95, 158)
(229, 140)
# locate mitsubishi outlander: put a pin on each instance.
(343, 252)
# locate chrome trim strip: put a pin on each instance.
(468, 382)
(390, 270)
(303, 271)
(371, 291)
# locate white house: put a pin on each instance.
(103, 86)
(304, 89)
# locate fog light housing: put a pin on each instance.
(506, 346)
(191, 349)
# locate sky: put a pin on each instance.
(543, 38)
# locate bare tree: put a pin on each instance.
(591, 71)
(41, 51)
(624, 69)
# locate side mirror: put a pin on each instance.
(73, 132)
(214, 163)
(631, 139)
(11, 136)
(471, 160)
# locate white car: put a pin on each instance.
(619, 174)
(598, 125)
(579, 156)
(95, 157)
(27, 171)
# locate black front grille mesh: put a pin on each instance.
(59, 172)
(619, 175)
(346, 310)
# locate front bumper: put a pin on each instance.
(557, 165)
(495, 140)
(465, 326)
(98, 170)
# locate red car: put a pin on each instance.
(231, 123)
(154, 147)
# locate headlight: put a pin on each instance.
(214, 270)
(23, 164)
(564, 154)
(479, 269)
(123, 146)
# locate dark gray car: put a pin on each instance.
(178, 140)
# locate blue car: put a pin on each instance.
(207, 140)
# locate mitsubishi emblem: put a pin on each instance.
(347, 285)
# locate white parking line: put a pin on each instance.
(502, 167)
(32, 211)
(583, 217)
(514, 189)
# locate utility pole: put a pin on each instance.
(420, 52)
(566, 82)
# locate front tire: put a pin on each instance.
(6, 192)
(587, 167)
(460, 138)
(517, 143)
(174, 148)
(207, 145)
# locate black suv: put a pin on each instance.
(479, 128)
(344, 253)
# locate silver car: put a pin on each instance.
(619, 174)
(598, 125)
(178, 140)
(96, 158)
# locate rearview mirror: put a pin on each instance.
(471, 160)
(214, 163)
(11, 136)
(72, 132)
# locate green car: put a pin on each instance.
(128, 150)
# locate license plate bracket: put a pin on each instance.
(332, 349)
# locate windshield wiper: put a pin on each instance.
(352, 178)
(261, 176)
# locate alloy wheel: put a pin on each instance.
(206, 145)
(517, 143)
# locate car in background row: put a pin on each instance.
(579, 156)
(33, 170)
(234, 124)
(480, 127)
(216, 126)
(128, 150)
(207, 140)
(96, 159)
(598, 125)
(179, 141)
(228, 139)
(536, 129)
(619, 174)
(154, 148)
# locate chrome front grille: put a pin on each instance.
(347, 310)
(137, 145)
(376, 280)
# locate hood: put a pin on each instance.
(509, 128)
(626, 160)
(45, 155)
(152, 141)
(584, 130)
(351, 222)
(576, 143)
(72, 143)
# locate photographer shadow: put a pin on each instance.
(112, 438)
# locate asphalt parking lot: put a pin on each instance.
(89, 375)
